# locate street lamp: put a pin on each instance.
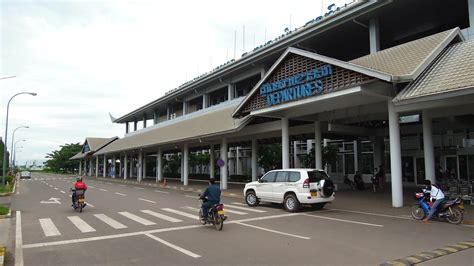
(6, 135)
(13, 138)
(14, 153)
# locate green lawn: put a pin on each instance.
(4, 210)
(5, 189)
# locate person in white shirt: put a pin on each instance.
(435, 193)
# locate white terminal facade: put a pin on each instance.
(380, 89)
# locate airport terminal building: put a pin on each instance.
(386, 83)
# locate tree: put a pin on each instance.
(1, 156)
(329, 157)
(269, 156)
(59, 160)
(172, 164)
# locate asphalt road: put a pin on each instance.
(133, 225)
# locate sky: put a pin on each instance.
(86, 59)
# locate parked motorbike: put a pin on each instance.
(450, 210)
(79, 199)
(215, 216)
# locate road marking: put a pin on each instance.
(374, 214)
(182, 250)
(245, 209)
(161, 216)
(63, 192)
(80, 224)
(341, 220)
(56, 188)
(138, 187)
(49, 228)
(120, 194)
(159, 191)
(150, 201)
(91, 187)
(137, 219)
(193, 197)
(101, 189)
(19, 241)
(264, 218)
(273, 231)
(90, 205)
(185, 214)
(106, 219)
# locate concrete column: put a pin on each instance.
(144, 166)
(127, 128)
(90, 166)
(238, 166)
(318, 151)
(205, 100)
(254, 160)
(97, 166)
(374, 35)
(120, 166)
(185, 107)
(113, 166)
(395, 156)
(131, 165)
(212, 160)
(224, 171)
(80, 167)
(125, 167)
(155, 117)
(285, 143)
(325, 144)
(135, 125)
(186, 164)
(144, 121)
(104, 167)
(159, 171)
(428, 148)
(139, 167)
(182, 167)
(357, 154)
(296, 151)
(230, 92)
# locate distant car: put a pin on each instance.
(291, 187)
(25, 174)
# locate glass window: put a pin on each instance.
(269, 177)
(294, 176)
(349, 163)
(316, 176)
(366, 165)
(281, 176)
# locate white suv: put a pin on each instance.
(292, 187)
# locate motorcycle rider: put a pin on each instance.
(78, 185)
(435, 193)
(213, 196)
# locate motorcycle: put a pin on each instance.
(451, 210)
(215, 216)
(79, 199)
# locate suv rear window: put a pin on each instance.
(316, 176)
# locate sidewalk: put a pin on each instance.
(354, 200)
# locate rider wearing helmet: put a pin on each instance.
(212, 195)
(78, 185)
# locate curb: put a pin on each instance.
(468, 222)
(3, 251)
(429, 255)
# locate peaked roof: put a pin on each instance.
(453, 71)
(95, 144)
(406, 61)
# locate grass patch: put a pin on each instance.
(6, 188)
(4, 210)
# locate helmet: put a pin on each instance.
(78, 178)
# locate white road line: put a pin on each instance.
(374, 214)
(49, 228)
(164, 192)
(106, 219)
(80, 224)
(273, 231)
(56, 188)
(19, 241)
(101, 189)
(243, 208)
(341, 220)
(193, 197)
(161, 216)
(264, 218)
(182, 250)
(90, 205)
(120, 194)
(138, 187)
(150, 201)
(185, 214)
(63, 192)
(137, 219)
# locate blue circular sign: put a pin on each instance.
(220, 163)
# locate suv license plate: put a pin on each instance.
(220, 212)
(314, 193)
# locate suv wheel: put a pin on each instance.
(291, 203)
(251, 199)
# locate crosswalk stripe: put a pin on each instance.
(80, 224)
(161, 216)
(150, 201)
(49, 228)
(106, 219)
(101, 189)
(120, 194)
(185, 214)
(137, 219)
(245, 209)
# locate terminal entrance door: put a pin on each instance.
(408, 169)
(420, 171)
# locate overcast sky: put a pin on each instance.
(88, 58)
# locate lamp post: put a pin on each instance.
(13, 139)
(14, 153)
(6, 135)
